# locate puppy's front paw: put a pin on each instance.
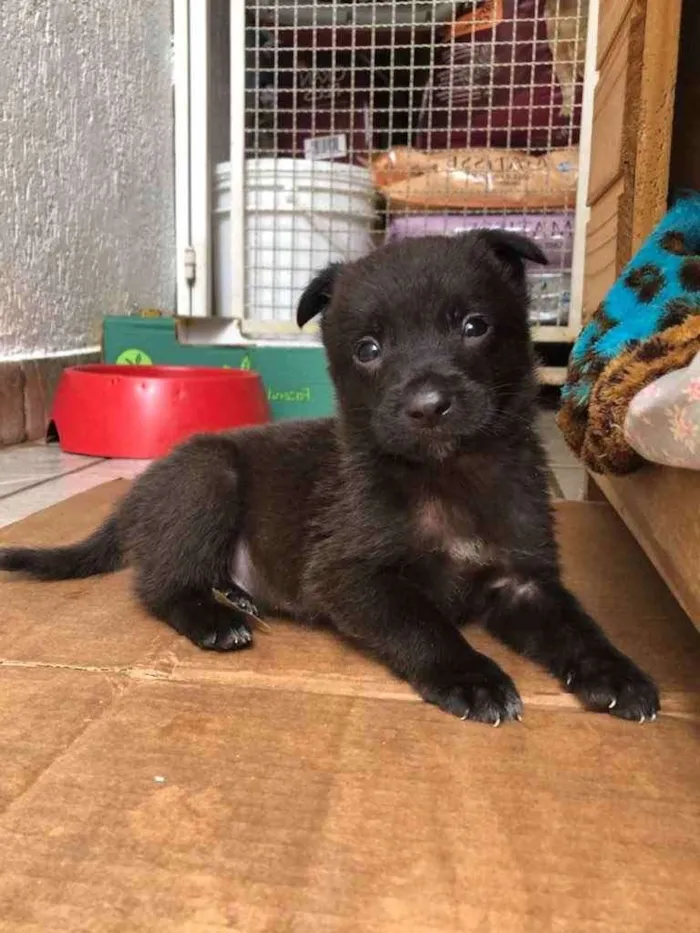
(611, 683)
(483, 694)
(229, 635)
(210, 625)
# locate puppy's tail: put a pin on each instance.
(100, 553)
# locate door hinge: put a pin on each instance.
(190, 262)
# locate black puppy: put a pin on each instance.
(421, 506)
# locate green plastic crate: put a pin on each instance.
(296, 378)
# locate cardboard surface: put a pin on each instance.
(148, 786)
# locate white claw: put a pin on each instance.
(465, 716)
(497, 723)
(652, 718)
(569, 679)
(612, 704)
(519, 717)
(642, 719)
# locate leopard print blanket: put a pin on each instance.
(648, 324)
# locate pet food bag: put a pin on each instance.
(485, 179)
(341, 92)
(553, 233)
(507, 74)
(550, 287)
(322, 101)
(348, 77)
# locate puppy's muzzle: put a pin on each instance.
(430, 400)
(427, 405)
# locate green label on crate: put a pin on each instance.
(289, 395)
(134, 357)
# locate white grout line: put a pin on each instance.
(32, 482)
(20, 505)
(29, 465)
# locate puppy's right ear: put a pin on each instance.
(317, 294)
(513, 247)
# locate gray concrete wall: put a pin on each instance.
(86, 168)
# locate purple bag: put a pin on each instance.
(554, 233)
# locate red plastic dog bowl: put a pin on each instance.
(141, 412)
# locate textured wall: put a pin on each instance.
(86, 168)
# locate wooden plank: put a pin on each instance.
(634, 117)
(612, 15)
(614, 112)
(661, 507)
(655, 119)
(632, 132)
(601, 249)
(610, 110)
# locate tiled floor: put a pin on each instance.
(35, 476)
(568, 473)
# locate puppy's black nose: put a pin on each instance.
(428, 405)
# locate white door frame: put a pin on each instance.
(192, 168)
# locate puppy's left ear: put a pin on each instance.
(317, 294)
(513, 248)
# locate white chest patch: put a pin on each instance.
(467, 550)
(516, 587)
(437, 531)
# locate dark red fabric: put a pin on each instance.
(497, 87)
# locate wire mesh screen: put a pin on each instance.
(367, 122)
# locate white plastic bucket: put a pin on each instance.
(300, 215)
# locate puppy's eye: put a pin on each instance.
(367, 350)
(475, 326)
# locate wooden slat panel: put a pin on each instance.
(601, 249)
(612, 14)
(655, 120)
(632, 126)
(609, 117)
